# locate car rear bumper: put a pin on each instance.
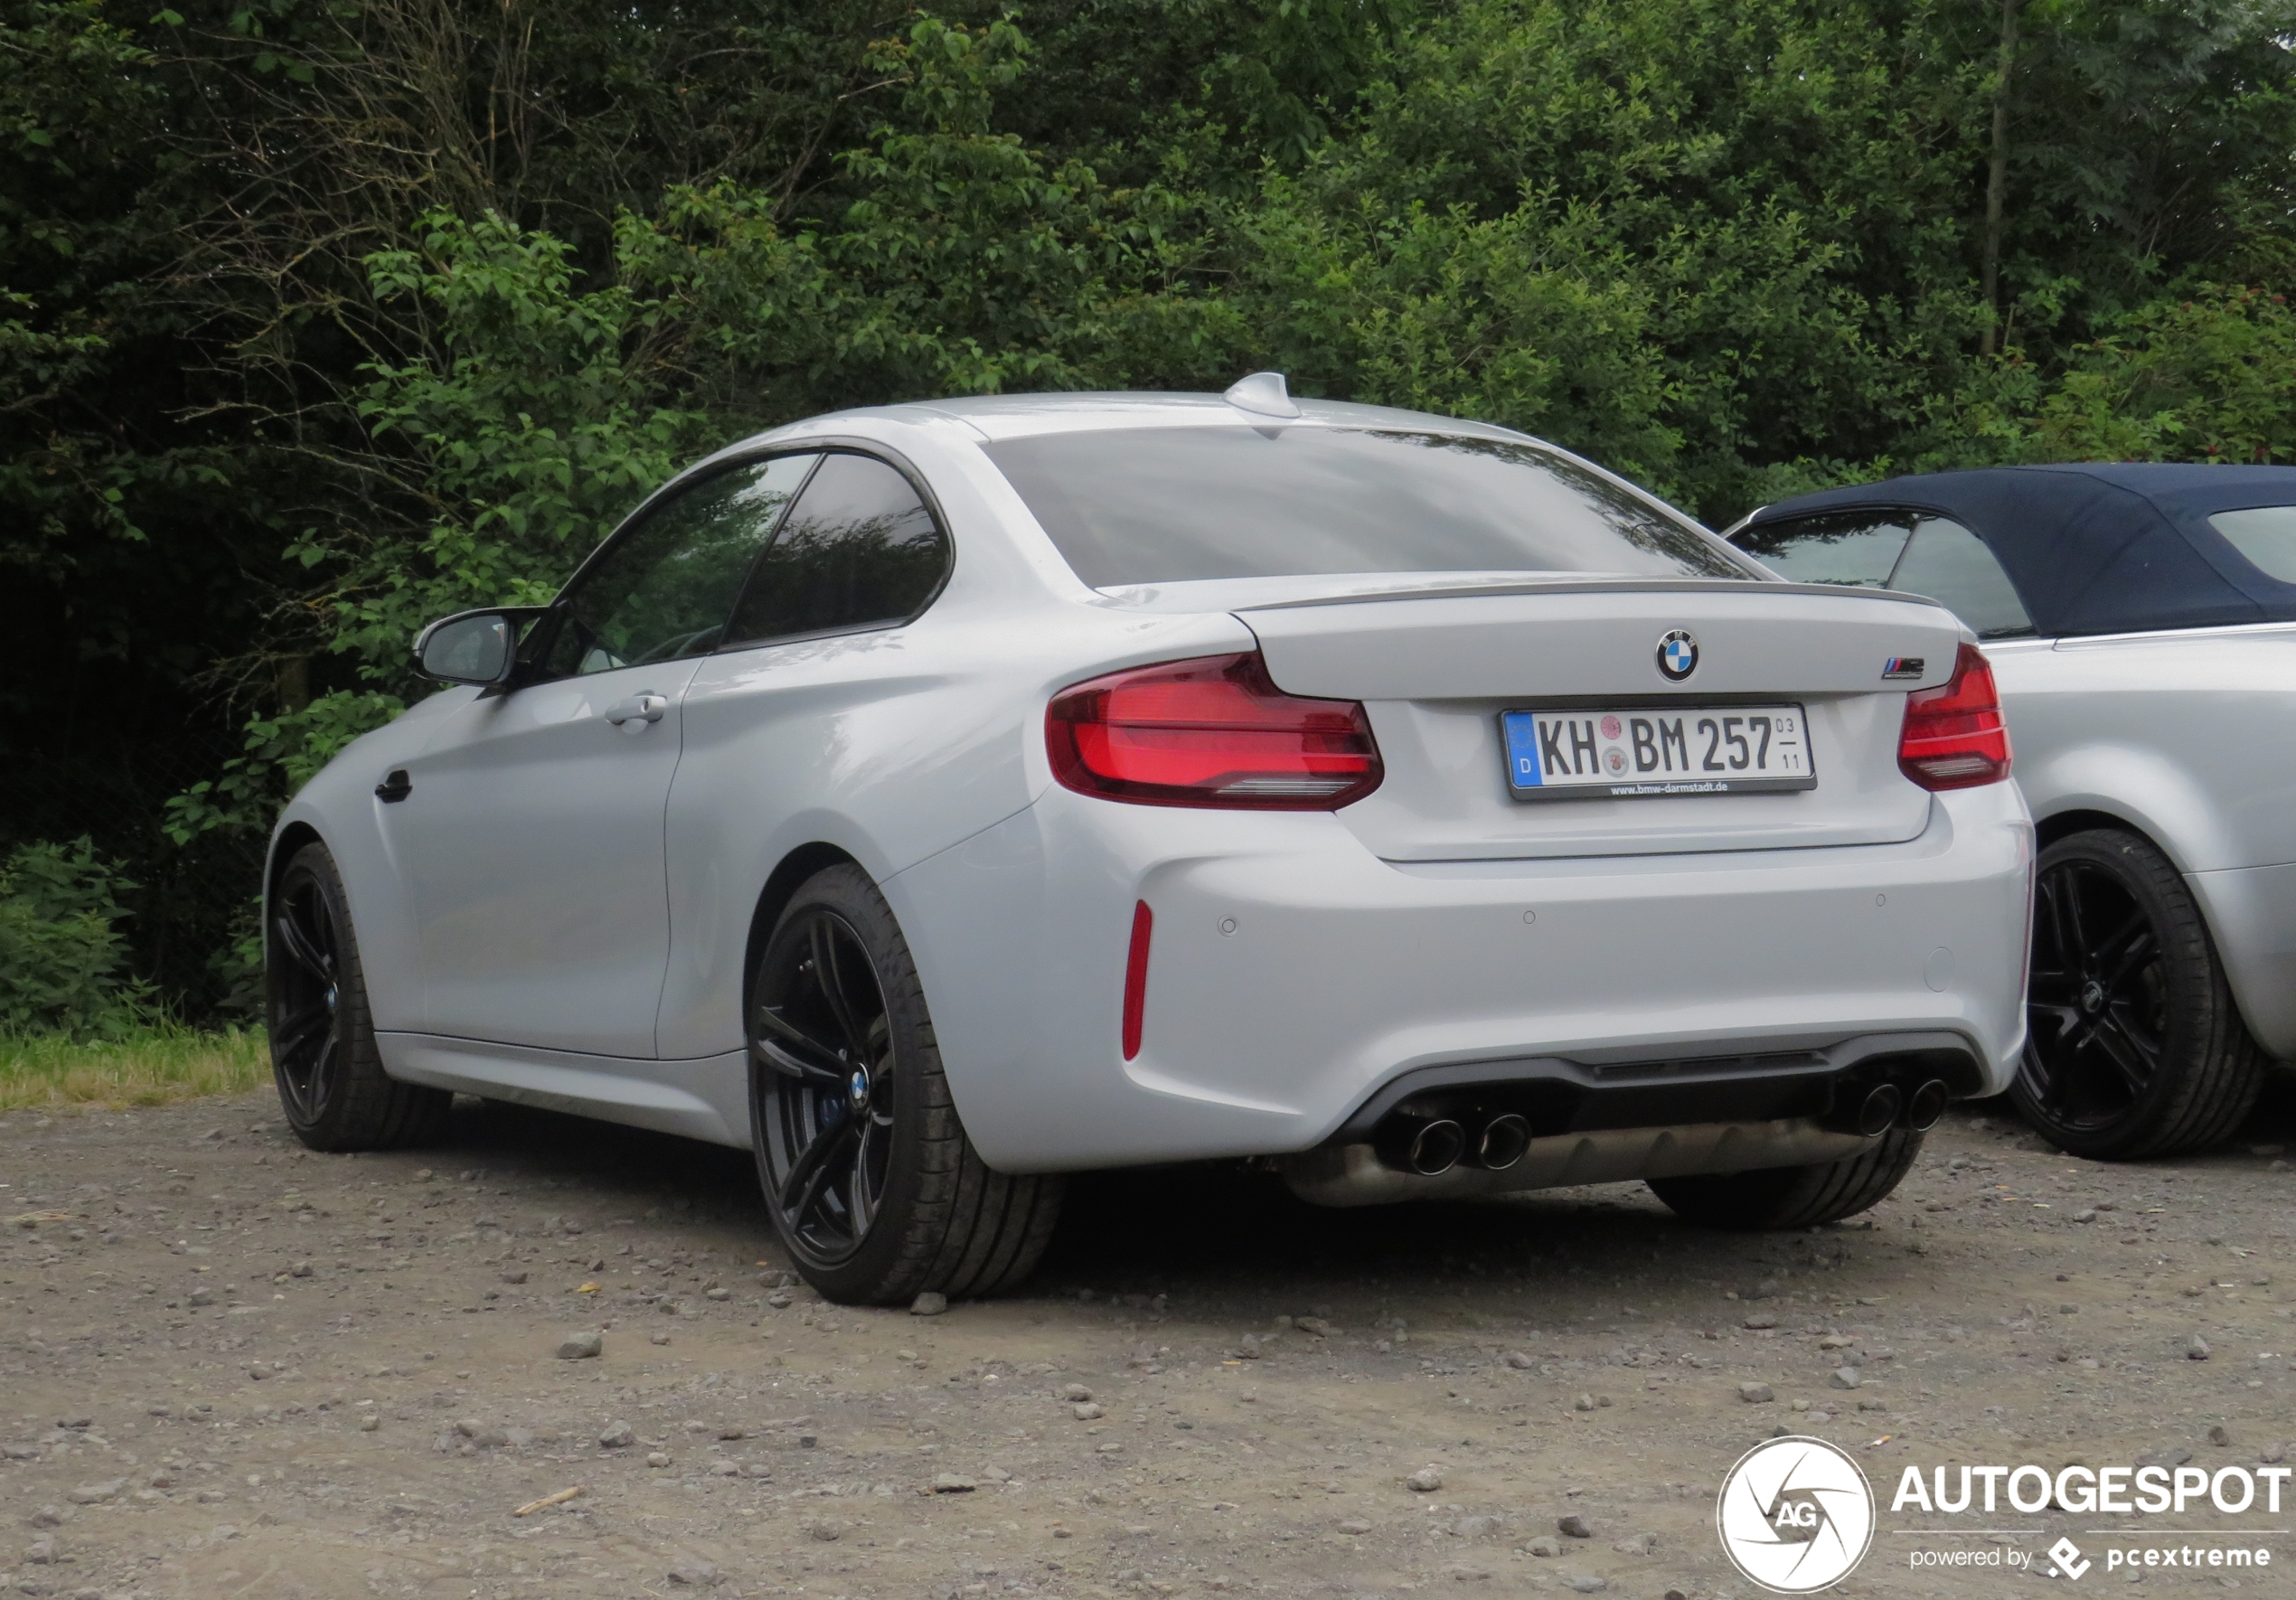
(2251, 912)
(1292, 976)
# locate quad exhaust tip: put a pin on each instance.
(1927, 1105)
(1880, 1109)
(1437, 1147)
(1501, 1143)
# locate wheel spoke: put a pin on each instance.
(300, 949)
(291, 1033)
(2062, 899)
(2077, 917)
(830, 976)
(317, 1080)
(2132, 1058)
(2124, 960)
(813, 1169)
(791, 1054)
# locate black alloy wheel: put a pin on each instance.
(875, 1190)
(2134, 1045)
(306, 1018)
(324, 1056)
(825, 1088)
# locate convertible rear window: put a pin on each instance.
(1170, 504)
(2265, 535)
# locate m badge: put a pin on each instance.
(1903, 666)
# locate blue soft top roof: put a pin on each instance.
(2100, 548)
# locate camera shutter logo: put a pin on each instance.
(1796, 1515)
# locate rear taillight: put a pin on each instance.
(1955, 737)
(1213, 731)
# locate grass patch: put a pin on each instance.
(152, 1066)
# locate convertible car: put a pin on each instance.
(942, 798)
(2141, 620)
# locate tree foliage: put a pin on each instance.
(320, 318)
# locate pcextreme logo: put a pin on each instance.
(1795, 1515)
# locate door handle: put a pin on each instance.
(638, 707)
(395, 787)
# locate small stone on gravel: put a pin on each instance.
(1071, 1391)
(1355, 1524)
(1574, 1526)
(932, 1302)
(576, 1347)
(1844, 1377)
(1756, 1394)
(1519, 1361)
(1587, 1583)
(2195, 1349)
(1425, 1481)
(1089, 1411)
(1543, 1546)
(693, 1572)
(953, 1483)
(2219, 1435)
(617, 1435)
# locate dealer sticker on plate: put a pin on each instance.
(1598, 755)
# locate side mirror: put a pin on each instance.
(471, 646)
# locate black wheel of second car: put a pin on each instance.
(873, 1186)
(2134, 1045)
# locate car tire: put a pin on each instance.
(330, 1075)
(2134, 1044)
(1794, 1197)
(871, 1181)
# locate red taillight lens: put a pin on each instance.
(1214, 731)
(1955, 737)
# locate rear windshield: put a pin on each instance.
(1172, 505)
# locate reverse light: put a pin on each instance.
(1212, 731)
(1954, 737)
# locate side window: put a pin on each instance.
(857, 549)
(666, 588)
(1860, 548)
(1950, 565)
(2265, 535)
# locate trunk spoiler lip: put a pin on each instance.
(1597, 586)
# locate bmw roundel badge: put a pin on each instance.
(1678, 656)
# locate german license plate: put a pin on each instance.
(1623, 755)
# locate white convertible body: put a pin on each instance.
(562, 909)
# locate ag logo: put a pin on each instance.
(1795, 1515)
(2066, 1555)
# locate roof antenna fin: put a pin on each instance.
(1263, 394)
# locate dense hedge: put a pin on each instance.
(321, 317)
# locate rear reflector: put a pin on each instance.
(1213, 731)
(1954, 737)
(1143, 923)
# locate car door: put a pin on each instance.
(820, 666)
(529, 835)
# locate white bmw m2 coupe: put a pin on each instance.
(940, 798)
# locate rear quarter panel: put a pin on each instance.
(2190, 737)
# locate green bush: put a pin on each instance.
(61, 952)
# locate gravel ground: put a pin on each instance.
(228, 1368)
